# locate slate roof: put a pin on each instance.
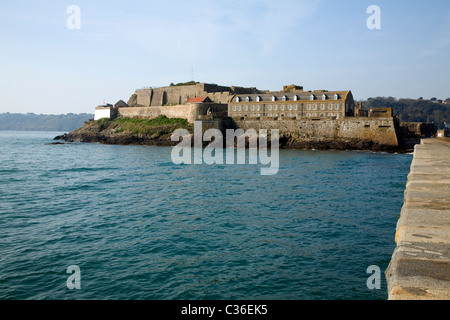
(290, 96)
(199, 100)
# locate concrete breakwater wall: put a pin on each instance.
(380, 130)
(420, 265)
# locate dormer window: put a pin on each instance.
(258, 98)
(312, 97)
(284, 98)
(274, 98)
(324, 97)
(336, 97)
(238, 99)
(295, 98)
(247, 99)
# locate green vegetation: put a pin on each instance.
(190, 83)
(42, 122)
(159, 126)
(413, 110)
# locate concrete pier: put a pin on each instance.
(420, 265)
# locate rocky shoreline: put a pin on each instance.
(94, 132)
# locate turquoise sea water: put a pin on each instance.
(140, 227)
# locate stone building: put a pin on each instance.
(180, 94)
(292, 103)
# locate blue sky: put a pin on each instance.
(45, 67)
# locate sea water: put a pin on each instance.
(140, 227)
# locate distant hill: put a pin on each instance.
(414, 110)
(42, 122)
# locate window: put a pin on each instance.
(234, 108)
(336, 97)
(296, 98)
(257, 108)
(282, 107)
(312, 97)
(284, 98)
(295, 107)
(330, 106)
(258, 98)
(322, 107)
(275, 107)
(324, 97)
(274, 98)
(337, 106)
(238, 99)
(269, 107)
(308, 107)
(314, 114)
(315, 107)
(322, 114)
(253, 108)
(246, 108)
(247, 99)
(290, 107)
(309, 115)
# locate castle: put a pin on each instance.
(194, 100)
(315, 114)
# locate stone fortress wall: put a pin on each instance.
(179, 95)
(379, 130)
(191, 111)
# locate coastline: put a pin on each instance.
(120, 133)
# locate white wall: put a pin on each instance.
(102, 113)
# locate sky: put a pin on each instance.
(56, 61)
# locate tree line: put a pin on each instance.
(414, 110)
(43, 122)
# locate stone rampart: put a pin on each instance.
(379, 130)
(179, 95)
(191, 111)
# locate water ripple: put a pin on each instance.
(140, 227)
